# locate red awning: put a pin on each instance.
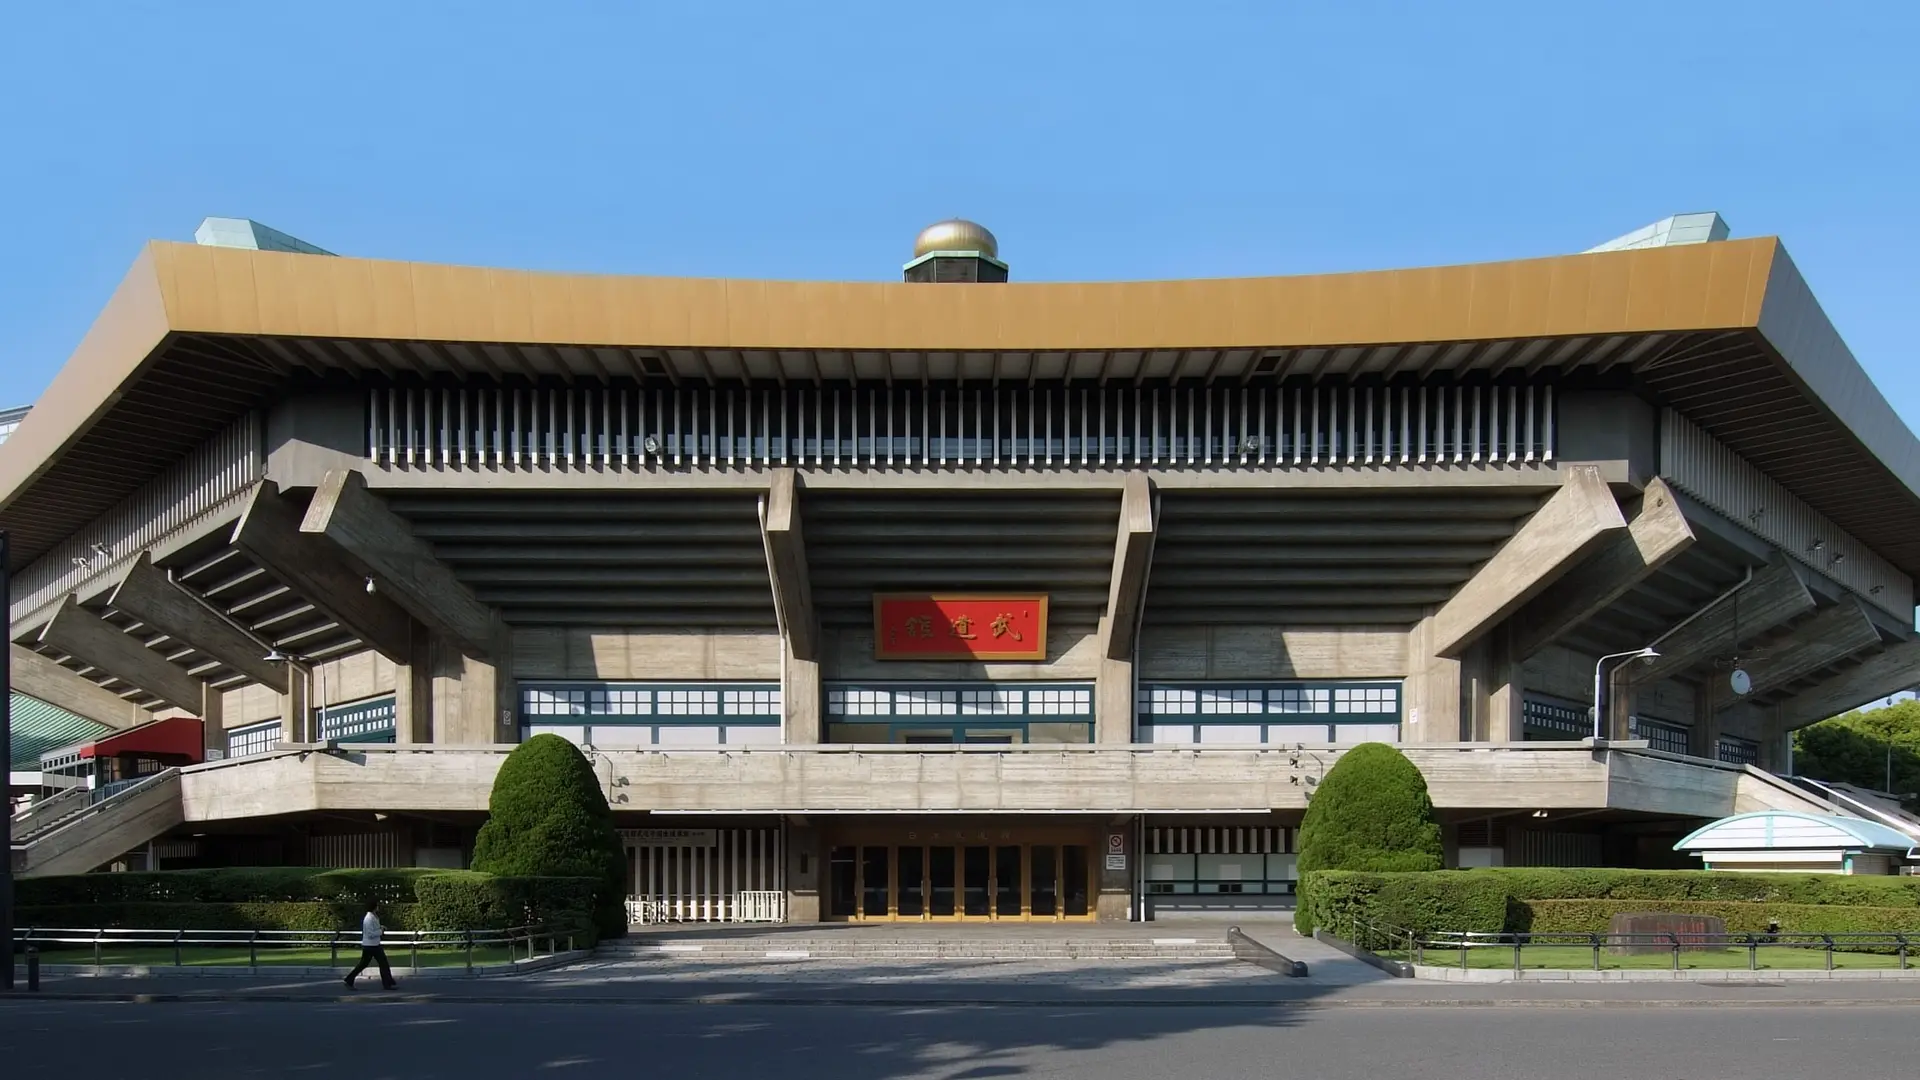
(177, 736)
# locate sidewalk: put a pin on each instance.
(906, 985)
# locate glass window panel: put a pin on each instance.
(1354, 734)
(617, 736)
(875, 875)
(910, 886)
(753, 735)
(1230, 734)
(842, 899)
(1170, 867)
(1170, 733)
(689, 735)
(1074, 879)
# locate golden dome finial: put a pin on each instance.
(956, 234)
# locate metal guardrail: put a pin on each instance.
(101, 801)
(255, 942)
(1677, 942)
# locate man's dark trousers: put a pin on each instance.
(372, 954)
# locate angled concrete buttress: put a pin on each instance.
(1891, 670)
(382, 545)
(1776, 594)
(39, 677)
(1827, 638)
(269, 534)
(1657, 533)
(786, 548)
(1569, 526)
(78, 632)
(1126, 595)
(146, 594)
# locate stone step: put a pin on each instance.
(775, 949)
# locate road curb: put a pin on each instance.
(738, 999)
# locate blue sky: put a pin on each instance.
(1110, 140)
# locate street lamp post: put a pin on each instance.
(1599, 684)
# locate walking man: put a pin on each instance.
(370, 950)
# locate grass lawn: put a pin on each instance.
(1580, 957)
(225, 956)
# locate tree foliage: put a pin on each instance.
(1371, 812)
(1863, 747)
(547, 817)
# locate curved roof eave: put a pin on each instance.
(178, 289)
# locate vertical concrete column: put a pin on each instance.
(800, 703)
(1490, 690)
(413, 691)
(805, 872)
(1113, 704)
(473, 698)
(1776, 750)
(296, 713)
(1705, 739)
(1622, 700)
(1506, 719)
(213, 723)
(1115, 900)
(1433, 690)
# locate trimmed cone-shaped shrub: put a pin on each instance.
(1371, 812)
(547, 817)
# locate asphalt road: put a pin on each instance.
(404, 1041)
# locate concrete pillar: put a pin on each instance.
(296, 715)
(1114, 903)
(473, 698)
(1432, 692)
(1705, 739)
(1776, 749)
(800, 699)
(1490, 690)
(1506, 692)
(1113, 703)
(213, 723)
(1622, 702)
(413, 691)
(805, 872)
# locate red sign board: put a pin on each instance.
(959, 626)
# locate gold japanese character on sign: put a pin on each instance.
(920, 626)
(963, 628)
(1003, 626)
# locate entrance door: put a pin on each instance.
(878, 878)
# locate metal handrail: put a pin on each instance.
(47, 814)
(111, 801)
(531, 936)
(1677, 942)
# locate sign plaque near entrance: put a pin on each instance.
(676, 838)
(959, 626)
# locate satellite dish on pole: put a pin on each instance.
(1741, 682)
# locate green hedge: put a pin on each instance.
(1371, 813)
(269, 915)
(548, 817)
(1508, 899)
(307, 898)
(240, 885)
(1594, 916)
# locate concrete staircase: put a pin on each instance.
(1007, 945)
(80, 834)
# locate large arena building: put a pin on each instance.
(951, 597)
